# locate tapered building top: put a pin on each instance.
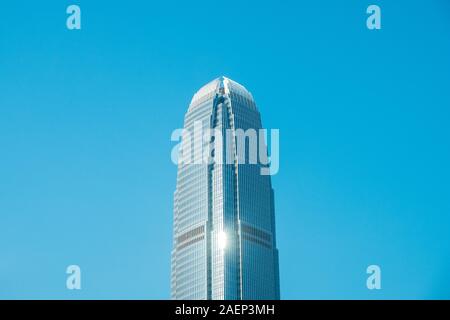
(221, 85)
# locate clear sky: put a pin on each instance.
(86, 117)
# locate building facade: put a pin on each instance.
(224, 243)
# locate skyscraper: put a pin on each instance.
(224, 243)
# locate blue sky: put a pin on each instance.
(86, 117)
